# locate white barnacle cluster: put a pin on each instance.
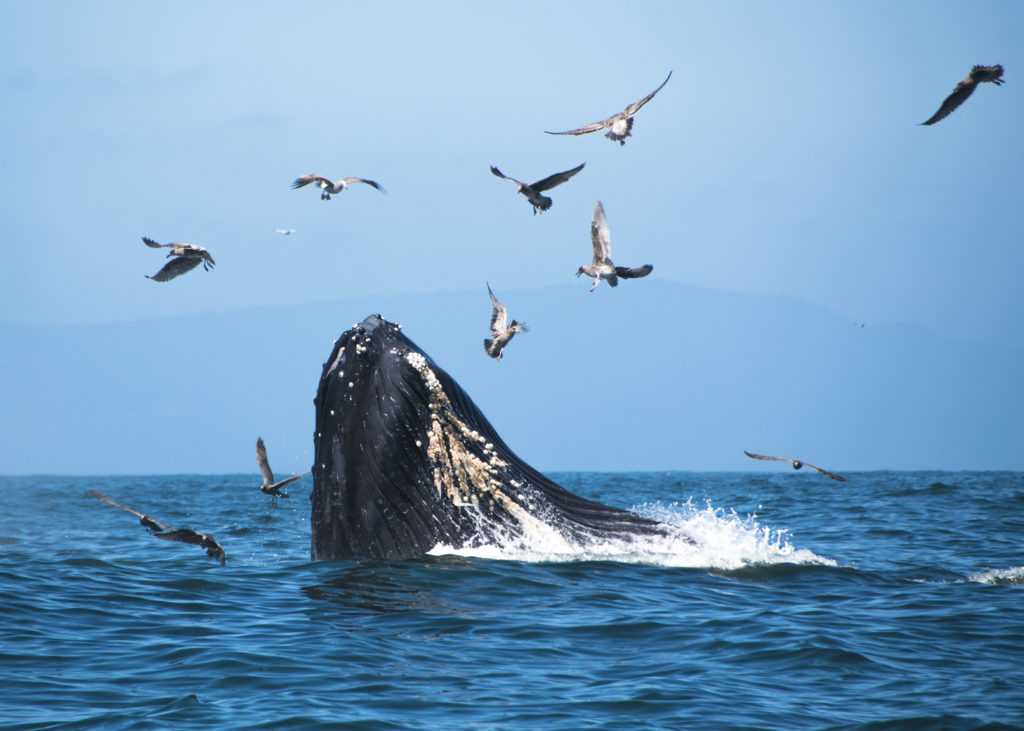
(419, 362)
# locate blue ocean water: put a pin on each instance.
(895, 600)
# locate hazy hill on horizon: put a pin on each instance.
(654, 375)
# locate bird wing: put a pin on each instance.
(635, 106)
(557, 179)
(761, 456)
(152, 244)
(993, 74)
(362, 180)
(634, 272)
(193, 538)
(175, 268)
(586, 129)
(963, 90)
(833, 475)
(311, 178)
(203, 254)
(599, 236)
(141, 516)
(502, 175)
(498, 314)
(263, 462)
(289, 480)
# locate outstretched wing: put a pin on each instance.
(372, 183)
(635, 106)
(963, 90)
(498, 314)
(557, 179)
(833, 475)
(761, 456)
(502, 175)
(599, 236)
(175, 268)
(585, 130)
(149, 522)
(993, 74)
(311, 178)
(288, 481)
(635, 272)
(152, 244)
(261, 460)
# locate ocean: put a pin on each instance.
(892, 601)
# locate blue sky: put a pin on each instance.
(784, 157)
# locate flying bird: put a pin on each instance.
(533, 191)
(797, 464)
(327, 187)
(187, 258)
(618, 125)
(269, 487)
(167, 533)
(284, 231)
(500, 335)
(965, 88)
(603, 268)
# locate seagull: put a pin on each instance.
(327, 187)
(533, 191)
(602, 268)
(187, 258)
(965, 88)
(501, 335)
(797, 464)
(284, 231)
(167, 533)
(269, 487)
(860, 324)
(618, 125)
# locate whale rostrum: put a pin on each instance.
(406, 462)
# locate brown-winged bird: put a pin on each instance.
(167, 533)
(327, 187)
(965, 88)
(619, 125)
(532, 191)
(500, 334)
(187, 258)
(603, 268)
(269, 487)
(797, 464)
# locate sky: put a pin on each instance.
(784, 158)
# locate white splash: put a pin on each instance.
(720, 539)
(1013, 575)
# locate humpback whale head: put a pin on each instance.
(405, 462)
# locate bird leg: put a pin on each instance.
(596, 282)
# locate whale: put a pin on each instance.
(405, 463)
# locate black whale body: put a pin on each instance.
(406, 461)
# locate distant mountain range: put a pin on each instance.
(653, 375)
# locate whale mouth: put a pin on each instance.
(406, 462)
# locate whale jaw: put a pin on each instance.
(406, 462)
